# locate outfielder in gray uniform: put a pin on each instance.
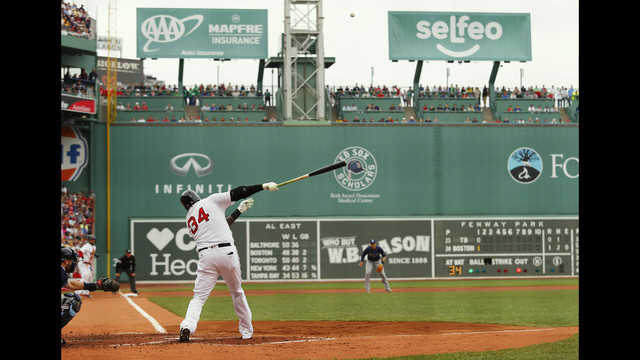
(217, 253)
(373, 253)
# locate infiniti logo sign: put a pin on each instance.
(201, 164)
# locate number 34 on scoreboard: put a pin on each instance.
(455, 270)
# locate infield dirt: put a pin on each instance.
(110, 327)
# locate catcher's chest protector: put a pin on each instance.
(70, 304)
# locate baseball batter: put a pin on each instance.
(85, 265)
(373, 253)
(217, 253)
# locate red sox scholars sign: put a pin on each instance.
(359, 174)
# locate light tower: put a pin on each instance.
(303, 61)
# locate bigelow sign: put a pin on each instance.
(459, 36)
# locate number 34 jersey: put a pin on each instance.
(206, 220)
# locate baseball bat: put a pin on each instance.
(322, 170)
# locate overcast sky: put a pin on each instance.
(361, 42)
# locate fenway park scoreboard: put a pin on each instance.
(506, 247)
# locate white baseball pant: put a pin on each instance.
(86, 275)
(211, 264)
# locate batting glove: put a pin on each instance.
(271, 186)
(245, 205)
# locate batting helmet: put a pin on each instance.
(188, 198)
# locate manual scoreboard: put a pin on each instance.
(506, 247)
(311, 249)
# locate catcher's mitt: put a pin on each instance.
(380, 267)
(107, 284)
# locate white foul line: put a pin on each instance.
(153, 321)
(497, 331)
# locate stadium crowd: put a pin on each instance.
(75, 20)
(563, 95)
(76, 217)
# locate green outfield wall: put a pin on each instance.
(397, 172)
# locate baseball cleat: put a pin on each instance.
(246, 337)
(388, 290)
(184, 335)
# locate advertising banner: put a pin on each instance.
(78, 104)
(459, 36)
(201, 33)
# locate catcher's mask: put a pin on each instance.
(188, 198)
(69, 254)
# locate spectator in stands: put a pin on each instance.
(356, 119)
(120, 107)
(93, 76)
(531, 108)
(166, 118)
(136, 106)
(517, 109)
(144, 106)
(142, 119)
(150, 119)
(169, 107)
(267, 98)
(485, 94)
(205, 107)
(570, 95)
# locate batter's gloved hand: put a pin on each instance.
(245, 205)
(271, 186)
(380, 267)
(107, 284)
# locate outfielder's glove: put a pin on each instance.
(379, 268)
(107, 284)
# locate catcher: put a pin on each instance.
(70, 302)
(373, 253)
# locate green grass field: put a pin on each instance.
(542, 308)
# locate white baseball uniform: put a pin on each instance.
(217, 255)
(85, 265)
